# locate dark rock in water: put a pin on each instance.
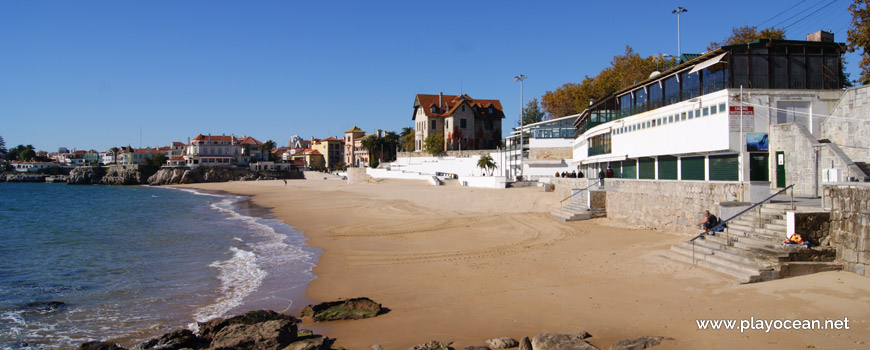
(269, 335)
(311, 343)
(45, 305)
(350, 309)
(639, 343)
(185, 175)
(476, 348)
(98, 345)
(432, 345)
(502, 343)
(209, 329)
(553, 341)
(525, 344)
(584, 334)
(176, 340)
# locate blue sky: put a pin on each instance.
(91, 74)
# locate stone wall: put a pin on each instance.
(850, 224)
(852, 135)
(673, 206)
(357, 175)
(801, 168)
(564, 186)
(550, 153)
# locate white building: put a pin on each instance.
(692, 123)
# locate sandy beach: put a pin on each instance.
(468, 264)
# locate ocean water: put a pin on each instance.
(130, 263)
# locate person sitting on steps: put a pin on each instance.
(710, 221)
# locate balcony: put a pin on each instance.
(599, 149)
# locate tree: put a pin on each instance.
(158, 159)
(533, 113)
(434, 144)
(624, 71)
(859, 36)
(26, 155)
(391, 143)
(485, 162)
(408, 140)
(267, 148)
(2, 145)
(114, 151)
(745, 34)
(371, 143)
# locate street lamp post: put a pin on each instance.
(678, 11)
(520, 79)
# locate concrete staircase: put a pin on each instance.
(751, 249)
(577, 209)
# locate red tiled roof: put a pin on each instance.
(298, 161)
(145, 150)
(178, 144)
(312, 152)
(247, 140)
(202, 137)
(165, 148)
(449, 104)
(177, 158)
(331, 138)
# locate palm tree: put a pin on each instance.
(114, 151)
(267, 148)
(485, 162)
(370, 143)
(391, 142)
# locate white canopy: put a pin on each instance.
(708, 63)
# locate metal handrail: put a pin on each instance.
(578, 192)
(723, 222)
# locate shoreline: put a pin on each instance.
(465, 265)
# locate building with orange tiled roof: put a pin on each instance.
(351, 138)
(466, 123)
(332, 150)
(313, 158)
(213, 150)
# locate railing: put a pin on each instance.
(722, 223)
(562, 202)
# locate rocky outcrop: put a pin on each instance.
(184, 175)
(22, 178)
(502, 343)
(525, 344)
(350, 309)
(554, 341)
(180, 339)
(123, 175)
(432, 345)
(98, 345)
(86, 175)
(639, 343)
(274, 334)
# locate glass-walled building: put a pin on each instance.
(692, 123)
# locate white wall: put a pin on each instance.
(483, 181)
(553, 142)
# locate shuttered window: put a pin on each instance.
(723, 168)
(646, 168)
(629, 169)
(667, 168)
(692, 168)
(617, 169)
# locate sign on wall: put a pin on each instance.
(757, 141)
(748, 113)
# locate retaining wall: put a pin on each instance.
(850, 224)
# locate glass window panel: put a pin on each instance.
(655, 96)
(759, 78)
(739, 70)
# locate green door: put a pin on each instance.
(780, 169)
(758, 167)
(724, 168)
(646, 168)
(692, 168)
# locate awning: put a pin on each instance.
(598, 132)
(604, 159)
(708, 63)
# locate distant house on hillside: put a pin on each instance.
(466, 123)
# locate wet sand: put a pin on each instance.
(468, 264)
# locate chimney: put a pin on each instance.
(441, 100)
(821, 37)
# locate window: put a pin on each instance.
(433, 109)
(706, 111)
(713, 109)
(691, 85)
(640, 100)
(489, 110)
(683, 116)
(462, 123)
(691, 115)
(655, 96)
(722, 107)
(433, 124)
(463, 108)
(672, 90)
(671, 119)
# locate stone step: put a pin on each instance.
(742, 275)
(757, 241)
(787, 207)
(758, 249)
(735, 255)
(772, 211)
(570, 216)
